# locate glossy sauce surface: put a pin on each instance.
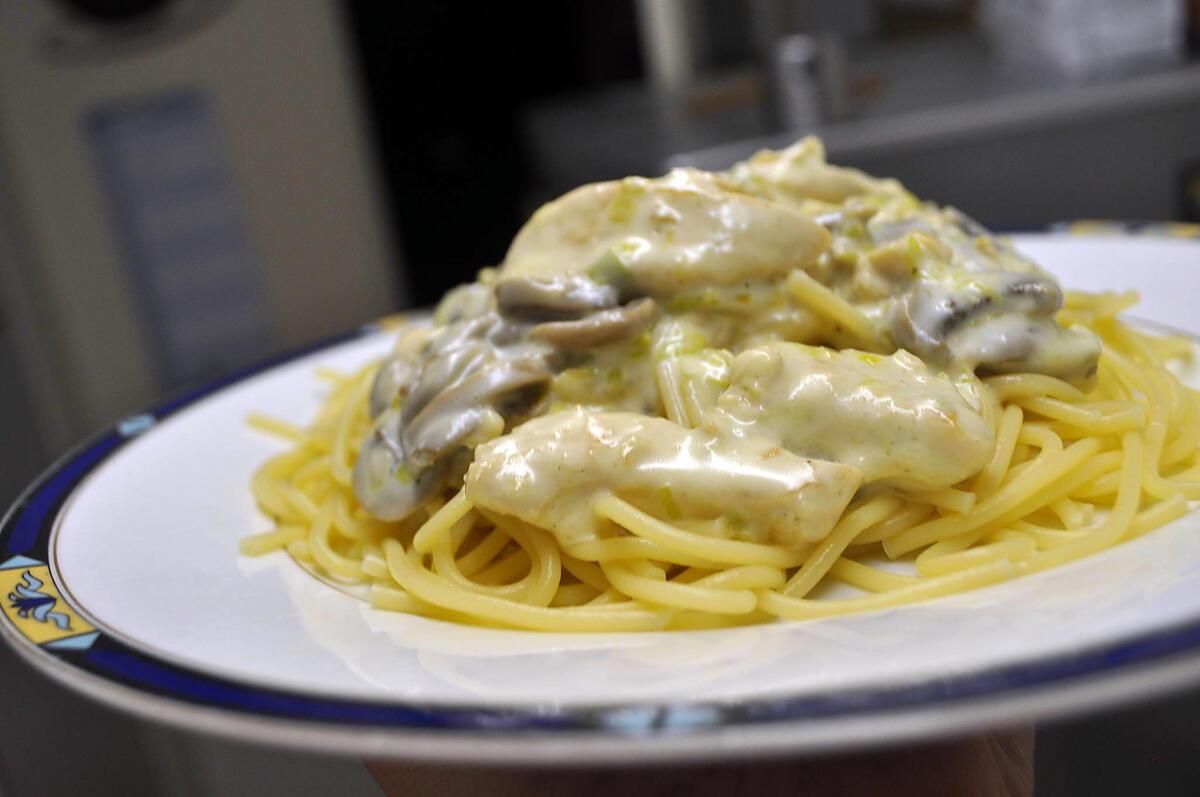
(666, 334)
(550, 470)
(889, 416)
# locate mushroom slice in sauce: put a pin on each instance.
(391, 382)
(597, 329)
(394, 378)
(552, 298)
(457, 414)
(384, 483)
(959, 303)
(472, 378)
(996, 321)
(550, 470)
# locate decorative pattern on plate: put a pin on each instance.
(36, 608)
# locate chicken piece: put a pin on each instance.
(550, 470)
(891, 417)
(659, 236)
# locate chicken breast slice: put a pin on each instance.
(663, 235)
(889, 416)
(551, 469)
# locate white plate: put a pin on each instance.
(132, 591)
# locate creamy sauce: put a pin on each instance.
(550, 470)
(933, 280)
(890, 417)
(645, 334)
(664, 235)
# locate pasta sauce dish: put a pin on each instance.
(788, 390)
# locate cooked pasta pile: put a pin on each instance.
(1073, 472)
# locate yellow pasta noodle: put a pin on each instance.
(1073, 471)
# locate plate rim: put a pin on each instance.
(1107, 674)
(924, 723)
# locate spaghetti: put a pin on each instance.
(1073, 471)
(789, 390)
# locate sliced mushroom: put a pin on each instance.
(997, 321)
(598, 329)
(464, 384)
(392, 382)
(467, 381)
(449, 355)
(460, 413)
(552, 298)
(1038, 293)
(940, 308)
(443, 371)
(383, 479)
(401, 465)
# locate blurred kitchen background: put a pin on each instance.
(189, 186)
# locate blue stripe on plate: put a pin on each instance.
(136, 668)
(32, 518)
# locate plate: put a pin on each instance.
(124, 583)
